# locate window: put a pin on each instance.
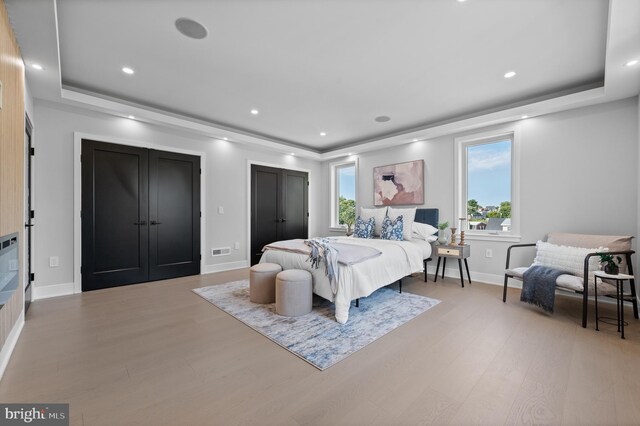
(487, 195)
(343, 194)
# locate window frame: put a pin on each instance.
(461, 177)
(335, 182)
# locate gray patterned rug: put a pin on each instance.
(317, 337)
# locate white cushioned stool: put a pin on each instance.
(262, 282)
(293, 293)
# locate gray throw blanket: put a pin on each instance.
(322, 252)
(539, 286)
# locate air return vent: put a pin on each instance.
(222, 251)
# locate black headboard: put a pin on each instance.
(430, 216)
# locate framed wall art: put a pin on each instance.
(399, 184)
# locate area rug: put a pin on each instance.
(317, 337)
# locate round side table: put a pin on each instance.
(619, 280)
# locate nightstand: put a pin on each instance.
(457, 252)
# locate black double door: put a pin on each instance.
(140, 215)
(279, 207)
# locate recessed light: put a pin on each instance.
(350, 153)
(415, 140)
(382, 119)
(226, 139)
(131, 117)
(37, 66)
(323, 134)
(255, 112)
(631, 63)
(524, 117)
(191, 28)
(510, 74)
(292, 154)
(127, 70)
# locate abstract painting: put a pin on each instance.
(401, 183)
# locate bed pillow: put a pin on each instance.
(567, 258)
(363, 229)
(378, 214)
(422, 231)
(392, 229)
(408, 216)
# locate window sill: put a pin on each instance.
(338, 229)
(511, 238)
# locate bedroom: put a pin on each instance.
(571, 150)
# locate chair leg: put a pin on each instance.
(504, 292)
(633, 288)
(585, 301)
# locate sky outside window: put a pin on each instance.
(489, 173)
(347, 182)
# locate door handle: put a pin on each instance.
(283, 220)
(153, 222)
(141, 223)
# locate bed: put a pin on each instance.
(397, 260)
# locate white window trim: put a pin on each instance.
(460, 202)
(334, 192)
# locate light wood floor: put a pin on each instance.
(158, 354)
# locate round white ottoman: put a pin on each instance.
(262, 282)
(293, 293)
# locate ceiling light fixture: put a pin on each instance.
(127, 70)
(350, 153)
(510, 74)
(631, 63)
(255, 112)
(524, 117)
(226, 139)
(131, 117)
(292, 154)
(37, 66)
(190, 28)
(323, 134)
(382, 119)
(415, 140)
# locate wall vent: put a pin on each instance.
(222, 251)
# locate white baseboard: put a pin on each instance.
(55, 290)
(10, 343)
(475, 276)
(229, 266)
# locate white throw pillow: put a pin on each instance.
(408, 216)
(423, 230)
(568, 259)
(378, 214)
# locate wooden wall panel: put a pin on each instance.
(11, 158)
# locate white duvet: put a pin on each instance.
(398, 259)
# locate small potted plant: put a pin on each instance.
(609, 263)
(442, 238)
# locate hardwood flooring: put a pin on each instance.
(158, 354)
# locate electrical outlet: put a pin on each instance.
(236, 245)
(54, 262)
(488, 253)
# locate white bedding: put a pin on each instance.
(398, 259)
(424, 246)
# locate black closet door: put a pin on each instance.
(140, 215)
(265, 212)
(279, 200)
(114, 215)
(295, 193)
(174, 213)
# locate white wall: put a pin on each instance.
(579, 173)
(226, 185)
